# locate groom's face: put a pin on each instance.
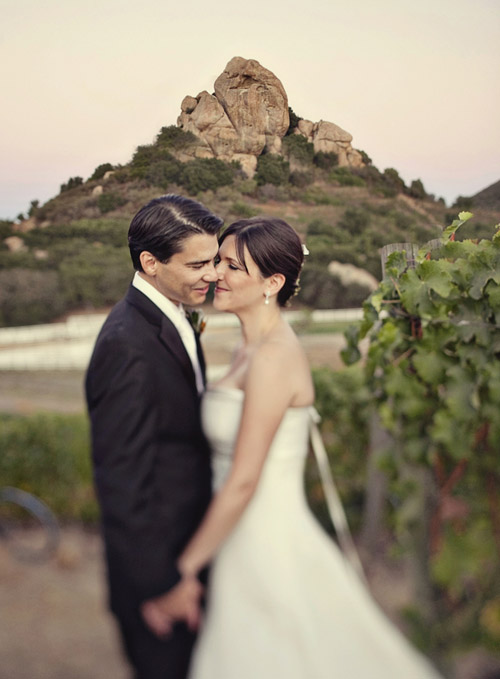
(185, 278)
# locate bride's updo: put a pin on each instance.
(274, 246)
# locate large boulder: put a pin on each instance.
(247, 115)
(330, 138)
(348, 274)
(255, 102)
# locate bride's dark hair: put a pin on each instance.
(274, 246)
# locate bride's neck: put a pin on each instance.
(258, 324)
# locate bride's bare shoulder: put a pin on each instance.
(281, 350)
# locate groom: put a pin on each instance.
(151, 459)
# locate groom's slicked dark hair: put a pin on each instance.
(161, 226)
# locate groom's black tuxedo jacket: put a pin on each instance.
(151, 459)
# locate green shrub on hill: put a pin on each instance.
(345, 177)
(301, 178)
(100, 171)
(72, 183)
(272, 169)
(28, 297)
(326, 160)
(95, 276)
(175, 138)
(107, 202)
(297, 147)
(206, 174)
(294, 121)
(355, 220)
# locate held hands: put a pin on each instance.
(181, 603)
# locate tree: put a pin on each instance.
(72, 183)
(417, 190)
(101, 170)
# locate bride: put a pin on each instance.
(282, 601)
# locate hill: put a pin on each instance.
(70, 253)
(487, 199)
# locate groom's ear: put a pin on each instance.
(149, 263)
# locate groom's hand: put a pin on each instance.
(181, 603)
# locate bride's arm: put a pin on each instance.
(268, 393)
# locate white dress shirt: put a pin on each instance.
(177, 315)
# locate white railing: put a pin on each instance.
(68, 345)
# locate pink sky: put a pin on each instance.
(416, 84)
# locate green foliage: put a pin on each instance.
(175, 138)
(294, 121)
(48, 455)
(301, 179)
(243, 210)
(6, 228)
(343, 402)
(34, 205)
(272, 169)
(28, 297)
(326, 160)
(205, 174)
(366, 158)
(322, 290)
(345, 177)
(392, 178)
(109, 231)
(107, 202)
(434, 371)
(463, 203)
(355, 220)
(319, 227)
(72, 183)
(317, 196)
(163, 172)
(100, 171)
(147, 156)
(417, 190)
(95, 276)
(297, 147)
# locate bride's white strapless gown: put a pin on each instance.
(282, 600)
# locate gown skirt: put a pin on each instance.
(282, 600)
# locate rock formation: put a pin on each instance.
(330, 138)
(248, 115)
(348, 274)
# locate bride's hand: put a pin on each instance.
(180, 604)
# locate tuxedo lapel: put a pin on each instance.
(167, 332)
(201, 358)
(172, 341)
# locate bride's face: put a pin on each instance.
(236, 288)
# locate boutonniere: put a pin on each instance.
(197, 320)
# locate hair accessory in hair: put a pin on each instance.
(304, 249)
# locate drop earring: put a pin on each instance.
(266, 301)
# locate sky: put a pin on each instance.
(83, 83)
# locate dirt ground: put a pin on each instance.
(55, 624)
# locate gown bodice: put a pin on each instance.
(221, 413)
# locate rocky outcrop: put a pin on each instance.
(248, 115)
(15, 244)
(348, 274)
(330, 138)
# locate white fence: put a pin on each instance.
(68, 346)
